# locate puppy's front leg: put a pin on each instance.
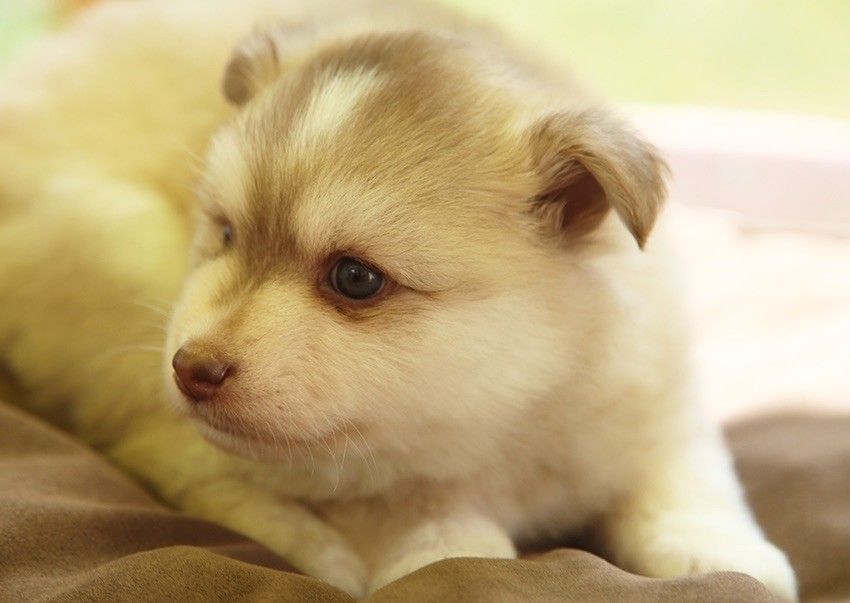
(203, 481)
(284, 525)
(687, 515)
(418, 541)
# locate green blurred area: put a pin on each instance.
(20, 21)
(787, 55)
(791, 55)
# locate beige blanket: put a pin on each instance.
(75, 528)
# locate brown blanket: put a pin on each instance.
(74, 528)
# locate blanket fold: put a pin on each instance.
(75, 528)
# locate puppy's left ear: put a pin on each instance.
(590, 163)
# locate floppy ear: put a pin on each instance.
(590, 163)
(254, 64)
(259, 59)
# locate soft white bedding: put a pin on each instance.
(771, 312)
(761, 209)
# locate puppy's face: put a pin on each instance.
(381, 248)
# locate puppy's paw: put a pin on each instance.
(412, 562)
(679, 546)
(339, 566)
(432, 543)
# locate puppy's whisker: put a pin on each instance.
(165, 303)
(197, 161)
(374, 463)
(365, 461)
(288, 448)
(131, 349)
(273, 433)
(155, 325)
(143, 348)
(150, 305)
(195, 164)
(345, 444)
(257, 433)
(345, 425)
(327, 446)
(312, 461)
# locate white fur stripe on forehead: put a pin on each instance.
(332, 103)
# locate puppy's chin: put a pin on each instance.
(257, 446)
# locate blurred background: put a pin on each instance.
(785, 55)
(750, 102)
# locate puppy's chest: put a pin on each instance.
(557, 492)
(538, 497)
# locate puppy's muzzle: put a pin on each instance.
(199, 374)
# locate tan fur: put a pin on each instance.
(522, 374)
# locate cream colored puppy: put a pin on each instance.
(421, 284)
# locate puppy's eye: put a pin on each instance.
(354, 280)
(227, 234)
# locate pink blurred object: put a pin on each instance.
(776, 169)
(761, 211)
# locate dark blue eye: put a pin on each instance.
(227, 234)
(353, 279)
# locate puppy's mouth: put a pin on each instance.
(233, 439)
(244, 438)
(227, 421)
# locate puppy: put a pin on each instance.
(422, 315)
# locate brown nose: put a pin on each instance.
(198, 374)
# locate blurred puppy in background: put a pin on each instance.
(421, 283)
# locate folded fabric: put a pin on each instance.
(75, 528)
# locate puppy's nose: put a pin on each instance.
(198, 374)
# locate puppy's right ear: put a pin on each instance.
(254, 64)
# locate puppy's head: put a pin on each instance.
(387, 250)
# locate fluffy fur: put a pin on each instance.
(521, 376)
